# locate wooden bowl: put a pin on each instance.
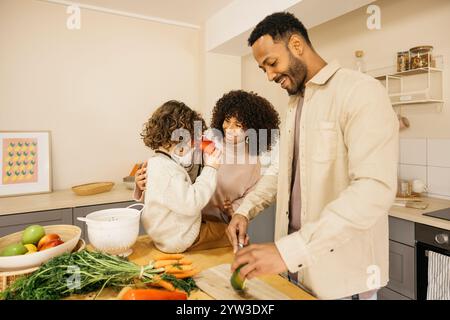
(93, 188)
(68, 233)
(8, 277)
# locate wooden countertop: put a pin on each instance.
(62, 199)
(144, 251)
(416, 215)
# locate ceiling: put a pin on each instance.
(188, 11)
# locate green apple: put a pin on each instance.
(33, 234)
(236, 280)
(15, 249)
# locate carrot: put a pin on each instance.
(186, 274)
(173, 256)
(153, 294)
(185, 261)
(164, 284)
(163, 263)
(178, 268)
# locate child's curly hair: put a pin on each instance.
(169, 117)
(251, 110)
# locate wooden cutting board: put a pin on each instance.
(216, 283)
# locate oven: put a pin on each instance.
(428, 239)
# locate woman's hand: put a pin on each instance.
(213, 159)
(141, 177)
(228, 208)
(237, 231)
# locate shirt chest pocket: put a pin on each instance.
(325, 142)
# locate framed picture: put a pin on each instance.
(25, 162)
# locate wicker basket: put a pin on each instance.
(6, 278)
(93, 188)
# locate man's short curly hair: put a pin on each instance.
(251, 110)
(279, 25)
(165, 120)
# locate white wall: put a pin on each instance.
(94, 87)
(405, 24)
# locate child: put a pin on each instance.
(173, 204)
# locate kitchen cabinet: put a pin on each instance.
(402, 270)
(17, 222)
(84, 211)
(262, 228)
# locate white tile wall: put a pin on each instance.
(439, 180)
(439, 152)
(412, 172)
(429, 161)
(413, 151)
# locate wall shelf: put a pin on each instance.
(419, 86)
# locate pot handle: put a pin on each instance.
(82, 219)
(137, 204)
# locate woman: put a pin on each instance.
(246, 121)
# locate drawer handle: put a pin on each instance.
(441, 238)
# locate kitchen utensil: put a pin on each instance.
(418, 186)
(411, 204)
(129, 182)
(68, 233)
(216, 283)
(8, 277)
(114, 231)
(93, 188)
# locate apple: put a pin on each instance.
(47, 238)
(51, 244)
(207, 146)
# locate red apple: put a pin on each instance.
(47, 238)
(51, 244)
(207, 146)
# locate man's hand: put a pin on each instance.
(141, 177)
(237, 231)
(259, 259)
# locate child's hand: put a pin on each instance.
(141, 177)
(213, 159)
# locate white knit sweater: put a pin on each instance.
(172, 213)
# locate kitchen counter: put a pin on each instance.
(61, 199)
(416, 215)
(144, 251)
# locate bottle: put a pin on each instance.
(359, 61)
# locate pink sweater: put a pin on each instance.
(234, 181)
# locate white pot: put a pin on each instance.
(113, 231)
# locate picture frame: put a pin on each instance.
(25, 163)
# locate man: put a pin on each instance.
(336, 177)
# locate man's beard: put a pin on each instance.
(297, 72)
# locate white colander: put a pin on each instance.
(114, 231)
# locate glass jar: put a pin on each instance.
(402, 61)
(421, 57)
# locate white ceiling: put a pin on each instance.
(188, 11)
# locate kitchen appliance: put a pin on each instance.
(428, 239)
(114, 231)
(440, 214)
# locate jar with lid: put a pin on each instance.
(402, 61)
(421, 57)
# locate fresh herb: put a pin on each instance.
(186, 285)
(81, 273)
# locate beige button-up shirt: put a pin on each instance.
(348, 174)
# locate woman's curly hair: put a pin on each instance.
(251, 110)
(169, 117)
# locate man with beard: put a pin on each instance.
(336, 177)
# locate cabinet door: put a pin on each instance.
(388, 294)
(12, 223)
(401, 269)
(84, 211)
(262, 228)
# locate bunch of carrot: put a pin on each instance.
(175, 266)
